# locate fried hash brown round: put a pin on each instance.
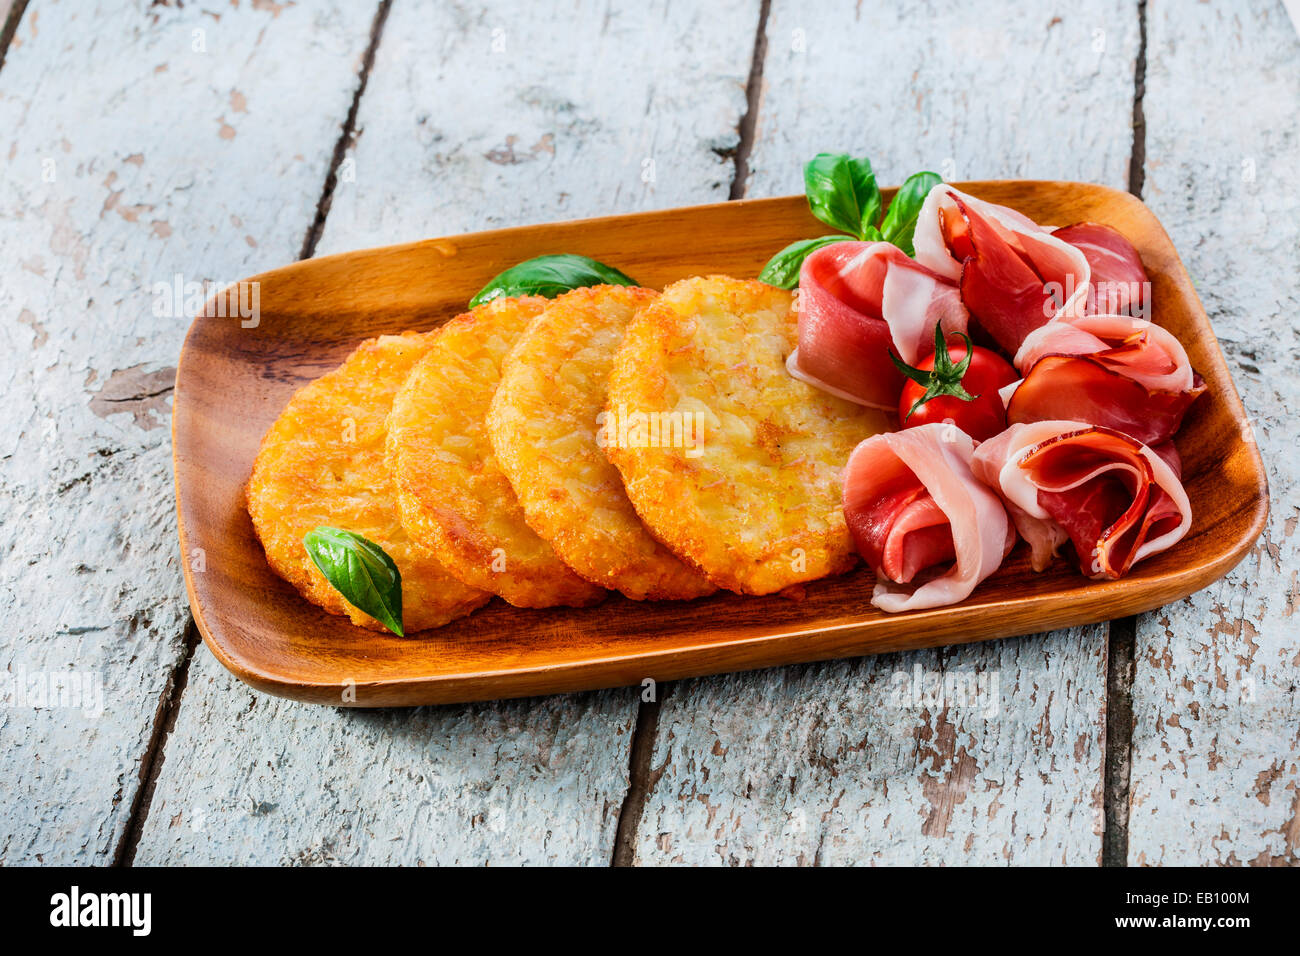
(452, 495)
(322, 463)
(546, 425)
(753, 500)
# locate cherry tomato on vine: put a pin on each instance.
(958, 385)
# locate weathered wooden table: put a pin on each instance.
(142, 142)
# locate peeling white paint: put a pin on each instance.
(815, 763)
(107, 125)
(1216, 735)
(455, 137)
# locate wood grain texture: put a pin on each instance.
(487, 115)
(864, 763)
(258, 780)
(454, 136)
(313, 312)
(130, 157)
(1216, 736)
(985, 90)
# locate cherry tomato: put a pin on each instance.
(958, 385)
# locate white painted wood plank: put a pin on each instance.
(821, 763)
(1216, 738)
(874, 762)
(129, 155)
(988, 90)
(257, 780)
(456, 137)
(491, 115)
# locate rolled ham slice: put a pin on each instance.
(1118, 283)
(1141, 350)
(1014, 275)
(1116, 371)
(1115, 499)
(859, 300)
(921, 519)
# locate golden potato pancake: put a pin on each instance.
(322, 463)
(753, 499)
(546, 422)
(451, 493)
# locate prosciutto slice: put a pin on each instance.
(1118, 283)
(919, 517)
(1116, 371)
(1115, 499)
(859, 300)
(1141, 350)
(1014, 275)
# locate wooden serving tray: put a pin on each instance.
(232, 382)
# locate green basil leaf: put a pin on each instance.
(900, 221)
(782, 270)
(842, 192)
(361, 571)
(550, 276)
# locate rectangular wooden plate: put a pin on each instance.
(232, 382)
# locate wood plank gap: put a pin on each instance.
(753, 94)
(1138, 158)
(169, 706)
(10, 27)
(1122, 637)
(346, 134)
(1118, 763)
(641, 778)
(151, 766)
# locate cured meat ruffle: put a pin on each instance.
(1115, 499)
(1145, 352)
(1116, 371)
(929, 529)
(859, 300)
(1014, 275)
(1118, 281)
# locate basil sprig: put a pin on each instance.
(782, 270)
(550, 276)
(900, 222)
(842, 193)
(361, 571)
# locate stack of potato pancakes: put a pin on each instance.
(551, 450)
